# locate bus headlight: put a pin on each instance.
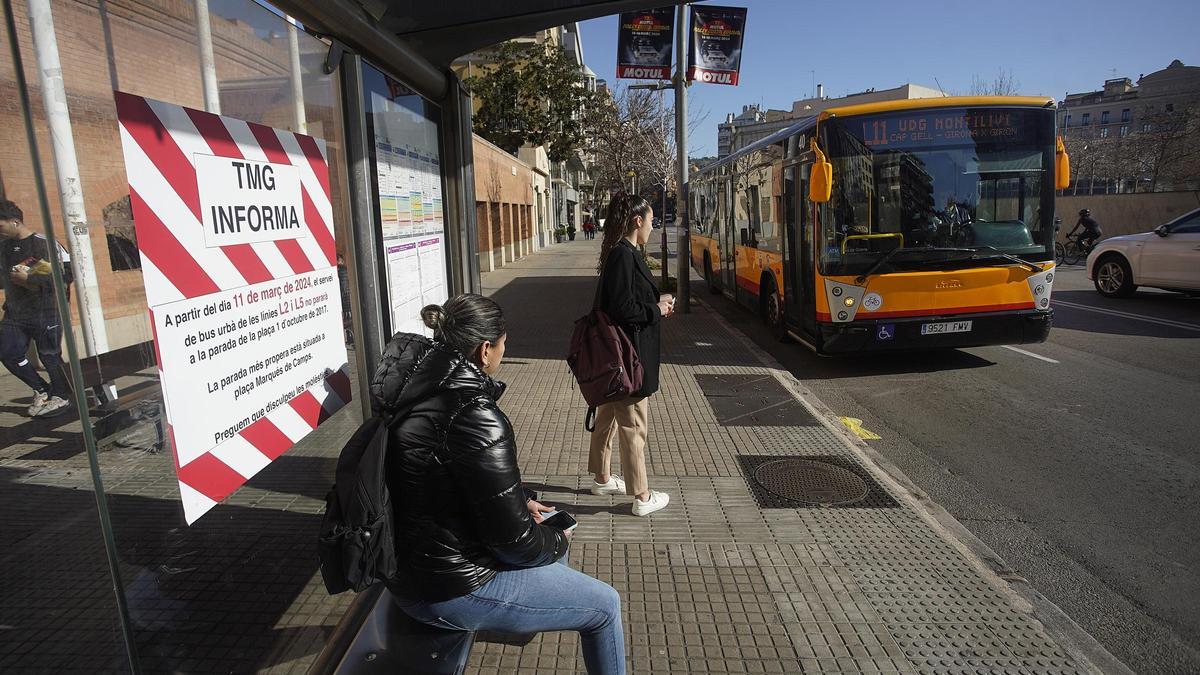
(846, 296)
(1040, 286)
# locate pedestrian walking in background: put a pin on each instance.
(629, 296)
(30, 312)
(471, 550)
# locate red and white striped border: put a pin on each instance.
(159, 141)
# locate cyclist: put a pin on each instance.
(1091, 230)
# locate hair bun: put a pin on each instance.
(434, 317)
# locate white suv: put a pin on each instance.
(1168, 258)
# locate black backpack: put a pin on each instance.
(357, 545)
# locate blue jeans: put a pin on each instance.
(553, 597)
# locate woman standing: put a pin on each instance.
(629, 296)
(471, 551)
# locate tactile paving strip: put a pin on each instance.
(876, 497)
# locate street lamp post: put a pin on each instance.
(683, 293)
(632, 176)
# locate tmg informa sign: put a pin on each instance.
(235, 230)
(715, 47)
(644, 44)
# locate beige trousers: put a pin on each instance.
(629, 421)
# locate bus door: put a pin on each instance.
(806, 244)
(799, 290)
(728, 245)
(793, 288)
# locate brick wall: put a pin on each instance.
(503, 207)
(154, 54)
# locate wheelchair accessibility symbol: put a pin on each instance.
(885, 331)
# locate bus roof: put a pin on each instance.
(944, 102)
(882, 106)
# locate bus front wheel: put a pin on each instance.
(772, 304)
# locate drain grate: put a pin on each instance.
(753, 401)
(811, 482)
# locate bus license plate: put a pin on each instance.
(945, 327)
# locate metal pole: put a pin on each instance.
(662, 118)
(70, 185)
(62, 303)
(296, 76)
(208, 67)
(683, 296)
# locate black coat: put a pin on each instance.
(459, 507)
(629, 296)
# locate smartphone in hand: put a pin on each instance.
(559, 520)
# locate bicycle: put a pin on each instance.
(1073, 250)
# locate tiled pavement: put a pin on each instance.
(714, 583)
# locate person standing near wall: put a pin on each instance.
(629, 296)
(30, 314)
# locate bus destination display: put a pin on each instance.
(948, 127)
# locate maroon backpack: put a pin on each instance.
(603, 360)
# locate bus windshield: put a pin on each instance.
(959, 186)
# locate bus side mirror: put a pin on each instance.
(1062, 166)
(820, 183)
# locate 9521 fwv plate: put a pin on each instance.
(945, 327)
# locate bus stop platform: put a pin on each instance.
(735, 576)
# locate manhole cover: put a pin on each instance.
(810, 482)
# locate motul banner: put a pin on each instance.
(715, 49)
(644, 44)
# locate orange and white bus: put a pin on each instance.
(909, 224)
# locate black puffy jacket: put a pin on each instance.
(629, 296)
(460, 511)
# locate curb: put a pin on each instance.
(1077, 642)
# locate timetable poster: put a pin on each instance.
(408, 169)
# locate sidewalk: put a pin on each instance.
(731, 578)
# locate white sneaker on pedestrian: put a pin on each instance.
(657, 502)
(52, 407)
(614, 486)
(39, 400)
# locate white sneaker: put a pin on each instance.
(39, 400)
(614, 486)
(51, 407)
(658, 501)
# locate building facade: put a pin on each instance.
(1133, 137)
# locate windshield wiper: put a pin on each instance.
(888, 256)
(996, 253)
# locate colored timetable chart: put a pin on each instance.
(408, 174)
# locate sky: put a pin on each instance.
(1049, 48)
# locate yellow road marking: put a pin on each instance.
(854, 424)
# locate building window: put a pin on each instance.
(1147, 127)
(1066, 121)
(1104, 117)
(1124, 130)
(1087, 119)
(1103, 132)
(1125, 115)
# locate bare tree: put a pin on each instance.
(1003, 85)
(634, 130)
(1167, 148)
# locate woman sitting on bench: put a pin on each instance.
(472, 552)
